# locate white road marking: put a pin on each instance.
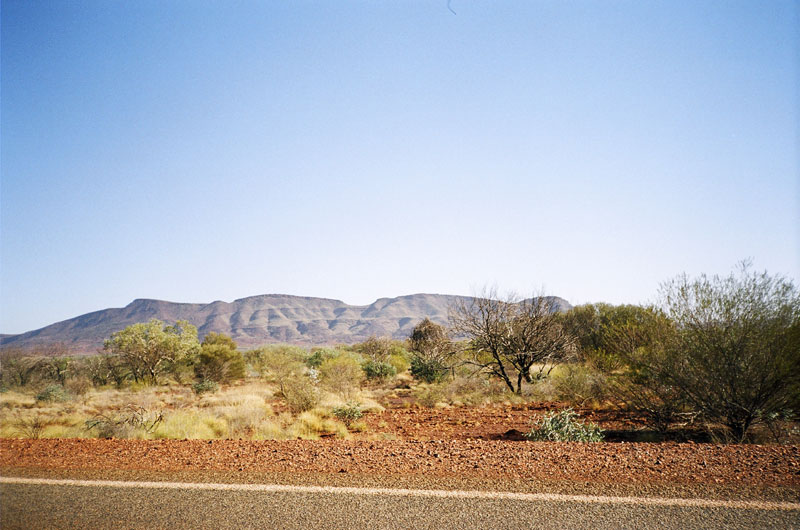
(460, 494)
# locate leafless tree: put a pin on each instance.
(19, 367)
(510, 337)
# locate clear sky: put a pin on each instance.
(205, 150)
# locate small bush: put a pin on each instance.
(277, 361)
(379, 370)
(341, 375)
(78, 386)
(220, 363)
(399, 361)
(33, 426)
(428, 370)
(579, 384)
(244, 420)
(312, 425)
(190, 424)
(319, 356)
(564, 426)
(430, 395)
(202, 387)
(300, 394)
(377, 349)
(133, 422)
(52, 393)
(348, 413)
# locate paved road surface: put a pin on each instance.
(56, 503)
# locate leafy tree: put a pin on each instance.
(509, 338)
(219, 339)
(432, 352)
(598, 331)
(148, 348)
(219, 360)
(736, 355)
(377, 349)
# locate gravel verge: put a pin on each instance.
(599, 463)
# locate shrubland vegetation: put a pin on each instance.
(564, 426)
(714, 353)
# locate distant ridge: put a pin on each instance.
(256, 320)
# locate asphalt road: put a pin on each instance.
(152, 505)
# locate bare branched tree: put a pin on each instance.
(18, 367)
(510, 338)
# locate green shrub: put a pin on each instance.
(379, 370)
(432, 352)
(348, 413)
(579, 384)
(341, 375)
(319, 356)
(220, 363)
(52, 393)
(278, 363)
(201, 387)
(376, 348)
(301, 394)
(428, 370)
(275, 360)
(399, 362)
(734, 351)
(430, 395)
(564, 426)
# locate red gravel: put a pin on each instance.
(467, 423)
(603, 462)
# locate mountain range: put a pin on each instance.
(255, 320)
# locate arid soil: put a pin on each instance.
(604, 462)
(479, 443)
(495, 422)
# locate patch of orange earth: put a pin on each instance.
(671, 463)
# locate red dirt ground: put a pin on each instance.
(596, 462)
(497, 422)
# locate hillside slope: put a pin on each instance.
(256, 320)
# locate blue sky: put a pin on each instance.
(198, 151)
